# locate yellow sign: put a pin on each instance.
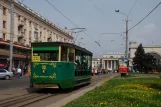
(43, 67)
(36, 58)
(52, 76)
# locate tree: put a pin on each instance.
(138, 60)
(144, 62)
(149, 63)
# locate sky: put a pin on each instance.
(104, 19)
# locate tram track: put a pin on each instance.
(33, 98)
(21, 101)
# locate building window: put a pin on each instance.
(25, 20)
(30, 23)
(36, 36)
(111, 57)
(4, 11)
(41, 36)
(4, 24)
(4, 36)
(18, 17)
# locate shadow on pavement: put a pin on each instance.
(53, 91)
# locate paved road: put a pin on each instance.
(8, 84)
(14, 83)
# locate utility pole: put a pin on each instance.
(126, 47)
(11, 33)
(126, 50)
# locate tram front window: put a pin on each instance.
(47, 55)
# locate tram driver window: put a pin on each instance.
(47, 55)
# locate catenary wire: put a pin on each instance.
(132, 7)
(145, 17)
(67, 18)
(99, 9)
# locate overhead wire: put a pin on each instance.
(145, 16)
(67, 18)
(99, 9)
(103, 13)
(62, 13)
(132, 7)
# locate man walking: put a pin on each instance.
(19, 72)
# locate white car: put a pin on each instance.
(4, 74)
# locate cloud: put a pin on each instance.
(149, 28)
(143, 34)
(146, 30)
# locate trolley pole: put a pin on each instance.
(11, 33)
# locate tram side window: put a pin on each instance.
(71, 55)
(78, 57)
(64, 51)
(89, 62)
(85, 62)
(47, 55)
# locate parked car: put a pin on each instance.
(4, 74)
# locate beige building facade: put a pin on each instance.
(110, 60)
(153, 50)
(29, 26)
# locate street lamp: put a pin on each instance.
(126, 50)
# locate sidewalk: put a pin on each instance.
(23, 76)
(81, 93)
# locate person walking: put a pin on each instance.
(14, 71)
(99, 71)
(19, 72)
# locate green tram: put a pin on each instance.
(59, 65)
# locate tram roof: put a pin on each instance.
(62, 44)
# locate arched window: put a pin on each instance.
(111, 57)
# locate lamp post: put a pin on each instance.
(126, 47)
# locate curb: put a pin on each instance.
(78, 94)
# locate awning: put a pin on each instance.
(2, 65)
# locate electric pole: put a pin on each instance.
(126, 47)
(11, 33)
(126, 50)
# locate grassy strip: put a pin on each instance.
(141, 92)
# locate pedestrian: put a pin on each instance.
(14, 71)
(99, 72)
(19, 72)
(24, 71)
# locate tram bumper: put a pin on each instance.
(45, 86)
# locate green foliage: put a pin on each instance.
(138, 60)
(149, 62)
(143, 62)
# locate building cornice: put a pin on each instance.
(14, 44)
(146, 47)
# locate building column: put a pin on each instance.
(111, 65)
(104, 63)
(32, 32)
(107, 67)
(114, 64)
(1, 21)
